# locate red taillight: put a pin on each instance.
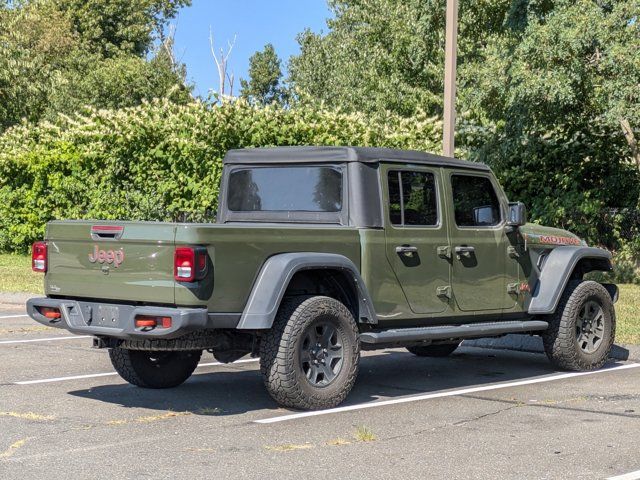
(39, 257)
(185, 264)
(166, 322)
(143, 322)
(50, 313)
(146, 321)
(190, 264)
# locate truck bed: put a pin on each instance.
(145, 274)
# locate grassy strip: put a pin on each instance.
(16, 276)
(628, 313)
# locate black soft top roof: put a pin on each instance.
(342, 154)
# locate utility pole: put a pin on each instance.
(450, 54)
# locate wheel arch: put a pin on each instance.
(564, 264)
(298, 272)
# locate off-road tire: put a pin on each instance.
(280, 364)
(438, 350)
(560, 342)
(169, 369)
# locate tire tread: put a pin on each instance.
(124, 362)
(559, 340)
(277, 355)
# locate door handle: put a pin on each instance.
(406, 249)
(464, 251)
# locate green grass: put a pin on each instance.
(628, 315)
(16, 276)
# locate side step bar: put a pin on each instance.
(473, 330)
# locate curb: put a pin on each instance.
(528, 343)
(17, 298)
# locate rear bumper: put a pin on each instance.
(116, 320)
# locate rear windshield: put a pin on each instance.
(285, 189)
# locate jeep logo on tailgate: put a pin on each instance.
(115, 257)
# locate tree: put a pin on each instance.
(225, 78)
(112, 27)
(265, 75)
(388, 55)
(51, 62)
(33, 41)
(549, 99)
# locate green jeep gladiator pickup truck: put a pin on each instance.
(317, 253)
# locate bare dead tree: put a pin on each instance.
(167, 48)
(230, 78)
(167, 43)
(222, 63)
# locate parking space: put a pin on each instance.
(477, 414)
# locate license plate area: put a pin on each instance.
(106, 316)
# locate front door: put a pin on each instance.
(478, 240)
(415, 231)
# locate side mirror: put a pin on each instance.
(517, 214)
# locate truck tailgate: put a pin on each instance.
(111, 260)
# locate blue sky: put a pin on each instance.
(255, 22)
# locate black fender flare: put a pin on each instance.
(274, 277)
(557, 271)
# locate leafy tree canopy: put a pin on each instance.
(546, 104)
(57, 56)
(112, 27)
(265, 75)
(388, 55)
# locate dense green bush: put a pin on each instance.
(160, 161)
(626, 267)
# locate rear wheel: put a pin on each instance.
(309, 358)
(154, 369)
(582, 329)
(440, 350)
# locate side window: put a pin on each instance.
(412, 198)
(475, 201)
(395, 203)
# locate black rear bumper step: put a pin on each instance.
(473, 330)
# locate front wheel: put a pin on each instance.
(582, 329)
(309, 359)
(154, 369)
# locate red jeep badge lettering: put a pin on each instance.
(115, 257)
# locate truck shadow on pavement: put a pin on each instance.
(237, 389)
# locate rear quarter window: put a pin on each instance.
(286, 189)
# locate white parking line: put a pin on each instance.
(449, 393)
(48, 339)
(13, 316)
(627, 476)
(107, 374)
(62, 379)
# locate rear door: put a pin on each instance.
(416, 235)
(122, 261)
(478, 240)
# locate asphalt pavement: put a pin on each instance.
(474, 415)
